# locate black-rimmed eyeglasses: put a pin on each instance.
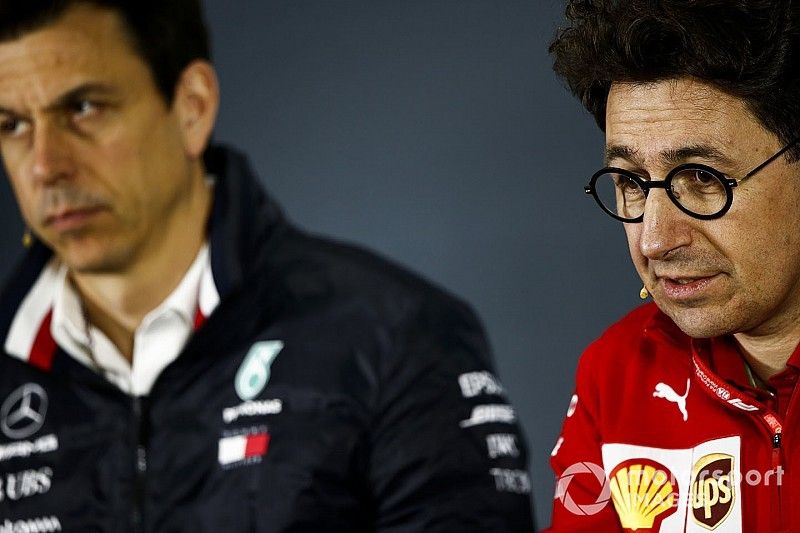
(698, 190)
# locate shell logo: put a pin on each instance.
(712, 493)
(644, 493)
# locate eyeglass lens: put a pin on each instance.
(696, 190)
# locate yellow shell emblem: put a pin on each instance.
(644, 493)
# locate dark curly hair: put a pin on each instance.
(747, 48)
(167, 34)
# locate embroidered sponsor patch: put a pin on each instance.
(514, 481)
(42, 524)
(644, 493)
(557, 447)
(246, 448)
(573, 405)
(21, 485)
(666, 392)
(502, 445)
(252, 408)
(701, 486)
(22, 413)
(487, 414)
(712, 490)
(479, 383)
(27, 448)
(253, 375)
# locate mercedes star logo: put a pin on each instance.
(23, 412)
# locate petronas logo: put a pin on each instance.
(253, 375)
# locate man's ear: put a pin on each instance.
(195, 105)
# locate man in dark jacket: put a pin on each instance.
(177, 356)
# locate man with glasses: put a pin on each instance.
(685, 415)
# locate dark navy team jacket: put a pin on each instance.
(330, 391)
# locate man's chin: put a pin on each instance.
(700, 322)
(92, 260)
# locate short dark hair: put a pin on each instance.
(167, 34)
(746, 48)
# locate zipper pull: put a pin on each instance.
(776, 451)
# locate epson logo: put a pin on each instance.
(476, 383)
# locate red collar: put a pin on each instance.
(725, 358)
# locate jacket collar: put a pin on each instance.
(243, 218)
(659, 324)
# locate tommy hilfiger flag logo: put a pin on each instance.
(242, 447)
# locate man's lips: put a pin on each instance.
(686, 287)
(71, 218)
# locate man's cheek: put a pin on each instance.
(638, 259)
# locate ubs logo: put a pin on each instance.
(23, 412)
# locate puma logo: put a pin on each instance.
(668, 393)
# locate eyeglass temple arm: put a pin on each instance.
(771, 159)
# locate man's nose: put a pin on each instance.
(664, 226)
(50, 154)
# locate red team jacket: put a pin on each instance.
(664, 434)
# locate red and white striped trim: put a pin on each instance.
(30, 338)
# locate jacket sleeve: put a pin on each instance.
(581, 504)
(446, 454)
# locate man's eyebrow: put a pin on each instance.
(617, 151)
(671, 157)
(69, 97)
(700, 151)
(81, 91)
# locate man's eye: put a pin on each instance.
(85, 108)
(13, 127)
(707, 179)
(625, 183)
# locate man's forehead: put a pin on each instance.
(675, 120)
(79, 27)
(81, 47)
(669, 93)
(27, 58)
(670, 104)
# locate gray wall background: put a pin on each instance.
(434, 132)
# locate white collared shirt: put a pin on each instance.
(157, 341)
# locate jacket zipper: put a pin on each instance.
(768, 418)
(140, 465)
(777, 510)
